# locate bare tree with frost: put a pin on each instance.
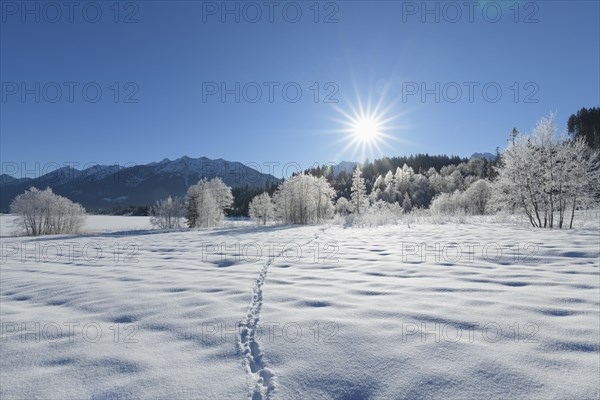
(206, 203)
(261, 207)
(167, 213)
(304, 199)
(547, 176)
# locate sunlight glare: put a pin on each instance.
(366, 130)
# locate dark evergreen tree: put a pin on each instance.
(586, 124)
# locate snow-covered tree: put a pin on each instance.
(579, 180)
(455, 181)
(261, 207)
(546, 176)
(167, 213)
(477, 196)
(359, 199)
(206, 203)
(420, 191)
(42, 212)
(388, 179)
(323, 195)
(474, 200)
(436, 182)
(431, 171)
(342, 206)
(447, 170)
(403, 178)
(406, 203)
(209, 212)
(389, 194)
(448, 203)
(379, 183)
(377, 190)
(304, 199)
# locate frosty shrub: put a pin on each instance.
(473, 201)
(449, 204)
(304, 199)
(206, 203)
(382, 213)
(546, 176)
(42, 212)
(477, 197)
(261, 208)
(167, 213)
(342, 206)
(378, 214)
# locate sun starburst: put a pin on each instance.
(367, 129)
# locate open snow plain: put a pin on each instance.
(454, 311)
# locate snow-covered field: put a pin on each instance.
(453, 311)
(93, 223)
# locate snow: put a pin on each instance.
(93, 223)
(368, 318)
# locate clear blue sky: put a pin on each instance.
(375, 49)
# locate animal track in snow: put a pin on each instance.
(254, 360)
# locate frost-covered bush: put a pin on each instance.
(477, 197)
(448, 204)
(261, 207)
(206, 203)
(473, 201)
(42, 212)
(378, 214)
(167, 213)
(304, 199)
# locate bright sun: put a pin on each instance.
(366, 130)
(367, 127)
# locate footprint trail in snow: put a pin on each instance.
(261, 376)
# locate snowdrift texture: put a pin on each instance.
(232, 314)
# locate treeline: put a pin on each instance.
(242, 196)
(420, 163)
(240, 207)
(423, 176)
(136, 211)
(341, 182)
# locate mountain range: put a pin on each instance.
(107, 186)
(484, 156)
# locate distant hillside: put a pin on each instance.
(484, 156)
(106, 186)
